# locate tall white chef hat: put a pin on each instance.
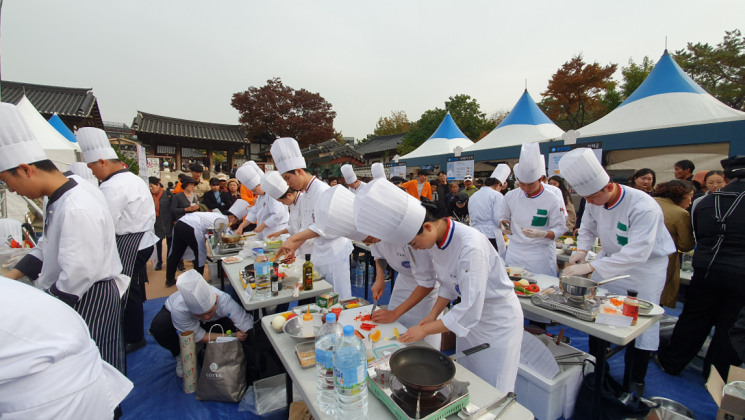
(583, 172)
(17, 142)
(249, 176)
(82, 170)
(239, 209)
(94, 143)
(348, 171)
(531, 165)
(378, 170)
(253, 165)
(335, 216)
(198, 296)
(273, 184)
(501, 172)
(384, 211)
(286, 154)
(543, 166)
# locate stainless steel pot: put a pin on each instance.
(580, 289)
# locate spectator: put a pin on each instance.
(714, 181)
(233, 171)
(216, 199)
(223, 182)
(433, 187)
(644, 179)
(170, 186)
(469, 189)
(442, 187)
(333, 181)
(479, 183)
(684, 170)
(454, 189)
(674, 198)
(458, 207)
(234, 190)
(559, 183)
(699, 182)
(163, 218)
(397, 181)
(186, 201)
(420, 187)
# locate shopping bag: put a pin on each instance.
(223, 376)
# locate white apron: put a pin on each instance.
(538, 258)
(337, 273)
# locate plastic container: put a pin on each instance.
(306, 354)
(263, 276)
(324, 345)
(350, 377)
(359, 280)
(550, 399)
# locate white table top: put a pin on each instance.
(285, 295)
(616, 335)
(304, 380)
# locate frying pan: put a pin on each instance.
(424, 369)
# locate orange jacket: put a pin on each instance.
(247, 195)
(177, 189)
(411, 187)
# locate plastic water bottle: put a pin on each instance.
(326, 339)
(263, 269)
(359, 280)
(350, 377)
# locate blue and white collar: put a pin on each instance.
(620, 198)
(537, 195)
(448, 236)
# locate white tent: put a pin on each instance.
(442, 142)
(58, 149)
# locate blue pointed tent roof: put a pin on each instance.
(60, 126)
(666, 77)
(525, 112)
(448, 130)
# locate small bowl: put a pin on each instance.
(567, 249)
(645, 307)
(300, 310)
(295, 330)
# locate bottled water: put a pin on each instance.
(350, 377)
(326, 339)
(263, 269)
(359, 280)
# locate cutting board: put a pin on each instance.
(347, 318)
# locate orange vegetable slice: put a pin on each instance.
(375, 335)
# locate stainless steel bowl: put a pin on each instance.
(669, 410)
(230, 238)
(580, 289)
(295, 330)
(645, 306)
(567, 249)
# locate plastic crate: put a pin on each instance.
(550, 399)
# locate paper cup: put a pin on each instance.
(189, 361)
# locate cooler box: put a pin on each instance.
(550, 399)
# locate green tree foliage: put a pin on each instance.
(132, 164)
(719, 69)
(634, 75)
(397, 123)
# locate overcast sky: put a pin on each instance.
(185, 59)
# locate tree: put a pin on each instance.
(276, 110)
(574, 97)
(634, 75)
(397, 123)
(131, 164)
(499, 115)
(719, 70)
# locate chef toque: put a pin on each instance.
(17, 142)
(253, 165)
(249, 176)
(286, 154)
(349, 176)
(239, 209)
(273, 184)
(198, 296)
(583, 172)
(384, 211)
(94, 143)
(82, 170)
(378, 171)
(531, 166)
(543, 167)
(335, 216)
(502, 172)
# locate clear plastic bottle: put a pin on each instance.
(359, 280)
(326, 339)
(350, 377)
(263, 269)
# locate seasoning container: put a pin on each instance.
(308, 324)
(275, 281)
(307, 273)
(631, 305)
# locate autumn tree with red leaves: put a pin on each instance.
(275, 110)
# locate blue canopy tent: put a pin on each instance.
(60, 126)
(439, 145)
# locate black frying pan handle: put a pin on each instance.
(478, 348)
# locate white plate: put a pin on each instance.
(232, 261)
(656, 309)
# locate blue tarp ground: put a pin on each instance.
(158, 395)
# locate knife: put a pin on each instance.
(375, 306)
(509, 399)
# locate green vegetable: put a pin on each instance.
(519, 289)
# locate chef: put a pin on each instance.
(49, 366)
(131, 207)
(196, 307)
(531, 217)
(82, 170)
(76, 260)
(330, 254)
(631, 228)
(484, 207)
(419, 187)
(188, 237)
(467, 266)
(553, 190)
(277, 188)
(268, 214)
(350, 178)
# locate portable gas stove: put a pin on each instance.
(227, 249)
(556, 301)
(412, 405)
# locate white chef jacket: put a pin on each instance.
(468, 266)
(270, 211)
(294, 225)
(85, 184)
(79, 246)
(635, 241)
(483, 208)
(359, 188)
(200, 221)
(131, 205)
(49, 366)
(184, 320)
(557, 192)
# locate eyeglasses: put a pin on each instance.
(4, 181)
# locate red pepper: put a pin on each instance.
(367, 327)
(519, 293)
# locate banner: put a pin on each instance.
(459, 167)
(153, 167)
(555, 154)
(398, 169)
(142, 163)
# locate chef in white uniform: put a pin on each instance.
(330, 254)
(76, 260)
(350, 178)
(277, 188)
(131, 207)
(467, 266)
(631, 228)
(484, 207)
(196, 307)
(82, 170)
(534, 216)
(268, 214)
(188, 237)
(49, 366)
(554, 190)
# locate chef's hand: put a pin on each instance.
(378, 288)
(260, 228)
(240, 335)
(288, 247)
(534, 233)
(272, 235)
(289, 260)
(413, 334)
(370, 240)
(505, 226)
(578, 258)
(239, 231)
(384, 316)
(578, 270)
(429, 318)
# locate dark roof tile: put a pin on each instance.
(381, 143)
(157, 124)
